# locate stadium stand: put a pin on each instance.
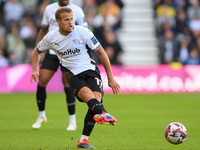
(137, 34)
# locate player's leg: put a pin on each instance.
(96, 113)
(96, 85)
(44, 77)
(101, 116)
(90, 92)
(70, 99)
(88, 88)
(47, 70)
(88, 127)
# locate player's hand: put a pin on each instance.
(34, 77)
(114, 85)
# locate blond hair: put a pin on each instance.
(61, 10)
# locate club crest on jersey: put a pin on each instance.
(94, 40)
(77, 41)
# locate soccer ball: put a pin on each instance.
(175, 133)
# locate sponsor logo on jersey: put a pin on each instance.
(69, 52)
(94, 40)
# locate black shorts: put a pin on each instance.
(90, 79)
(51, 63)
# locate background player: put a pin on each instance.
(51, 63)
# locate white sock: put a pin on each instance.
(42, 114)
(84, 137)
(72, 119)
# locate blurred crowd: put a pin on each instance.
(177, 25)
(20, 21)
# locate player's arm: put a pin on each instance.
(81, 19)
(42, 46)
(43, 31)
(106, 63)
(35, 62)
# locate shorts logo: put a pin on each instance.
(94, 40)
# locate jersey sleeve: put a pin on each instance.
(81, 19)
(45, 21)
(43, 45)
(91, 40)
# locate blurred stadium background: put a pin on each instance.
(153, 46)
(152, 43)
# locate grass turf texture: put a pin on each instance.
(142, 119)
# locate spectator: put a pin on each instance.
(118, 2)
(180, 5)
(112, 47)
(193, 10)
(28, 33)
(194, 24)
(2, 4)
(45, 2)
(183, 49)
(3, 59)
(155, 4)
(16, 47)
(39, 14)
(165, 13)
(168, 48)
(29, 5)
(164, 27)
(13, 12)
(28, 56)
(112, 12)
(108, 18)
(194, 58)
(181, 23)
(198, 43)
(2, 30)
(90, 10)
(194, 27)
(3, 43)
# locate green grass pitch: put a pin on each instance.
(142, 119)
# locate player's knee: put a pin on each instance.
(42, 83)
(65, 83)
(85, 94)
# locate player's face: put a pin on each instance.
(65, 23)
(63, 2)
